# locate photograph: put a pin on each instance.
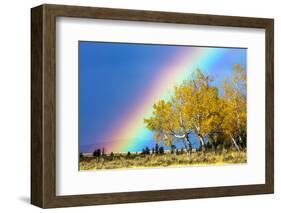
(161, 105)
(144, 96)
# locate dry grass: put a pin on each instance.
(121, 161)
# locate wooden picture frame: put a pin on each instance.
(43, 105)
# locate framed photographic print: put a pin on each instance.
(136, 106)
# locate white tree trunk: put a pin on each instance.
(189, 150)
(235, 144)
(202, 143)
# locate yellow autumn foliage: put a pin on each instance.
(204, 109)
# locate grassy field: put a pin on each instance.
(124, 161)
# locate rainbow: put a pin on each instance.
(131, 134)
